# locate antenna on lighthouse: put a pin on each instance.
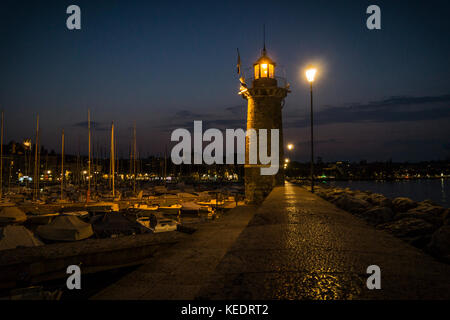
(264, 39)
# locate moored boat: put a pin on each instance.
(170, 209)
(41, 218)
(12, 237)
(111, 225)
(65, 228)
(158, 225)
(11, 215)
(143, 206)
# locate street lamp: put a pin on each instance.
(310, 75)
(290, 146)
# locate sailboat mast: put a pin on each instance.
(116, 155)
(38, 191)
(89, 156)
(134, 157)
(35, 176)
(62, 164)
(1, 162)
(112, 158)
(165, 165)
(78, 164)
(110, 167)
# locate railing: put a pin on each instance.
(281, 82)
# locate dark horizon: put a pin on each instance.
(379, 95)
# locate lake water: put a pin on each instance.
(437, 190)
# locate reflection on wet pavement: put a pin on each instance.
(298, 246)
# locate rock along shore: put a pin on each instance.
(424, 224)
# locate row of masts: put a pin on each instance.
(112, 166)
(36, 173)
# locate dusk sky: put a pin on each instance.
(379, 94)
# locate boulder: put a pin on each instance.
(362, 196)
(408, 227)
(446, 217)
(335, 192)
(377, 215)
(434, 210)
(415, 231)
(427, 202)
(333, 199)
(433, 215)
(327, 194)
(351, 204)
(401, 204)
(380, 200)
(385, 202)
(440, 243)
(321, 194)
(374, 198)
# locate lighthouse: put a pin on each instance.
(265, 99)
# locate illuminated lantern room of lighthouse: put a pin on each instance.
(264, 68)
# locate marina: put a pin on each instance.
(40, 239)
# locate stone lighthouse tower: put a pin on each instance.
(265, 97)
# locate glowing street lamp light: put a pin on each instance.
(310, 76)
(290, 146)
(27, 143)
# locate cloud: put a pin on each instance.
(187, 114)
(420, 144)
(317, 142)
(239, 109)
(223, 118)
(393, 109)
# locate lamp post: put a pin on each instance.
(310, 75)
(290, 147)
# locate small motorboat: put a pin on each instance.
(148, 222)
(187, 195)
(12, 215)
(80, 214)
(6, 203)
(211, 203)
(41, 218)
(142, 206)
(63, 201)
(158, 225)
(103, 204)
(229, 204)
(12, 237)
(65, 228)
(191, 208)
(170, 209)
(165, 225)
(112, 225)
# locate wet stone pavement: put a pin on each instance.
(179, 272)
(299, 246)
